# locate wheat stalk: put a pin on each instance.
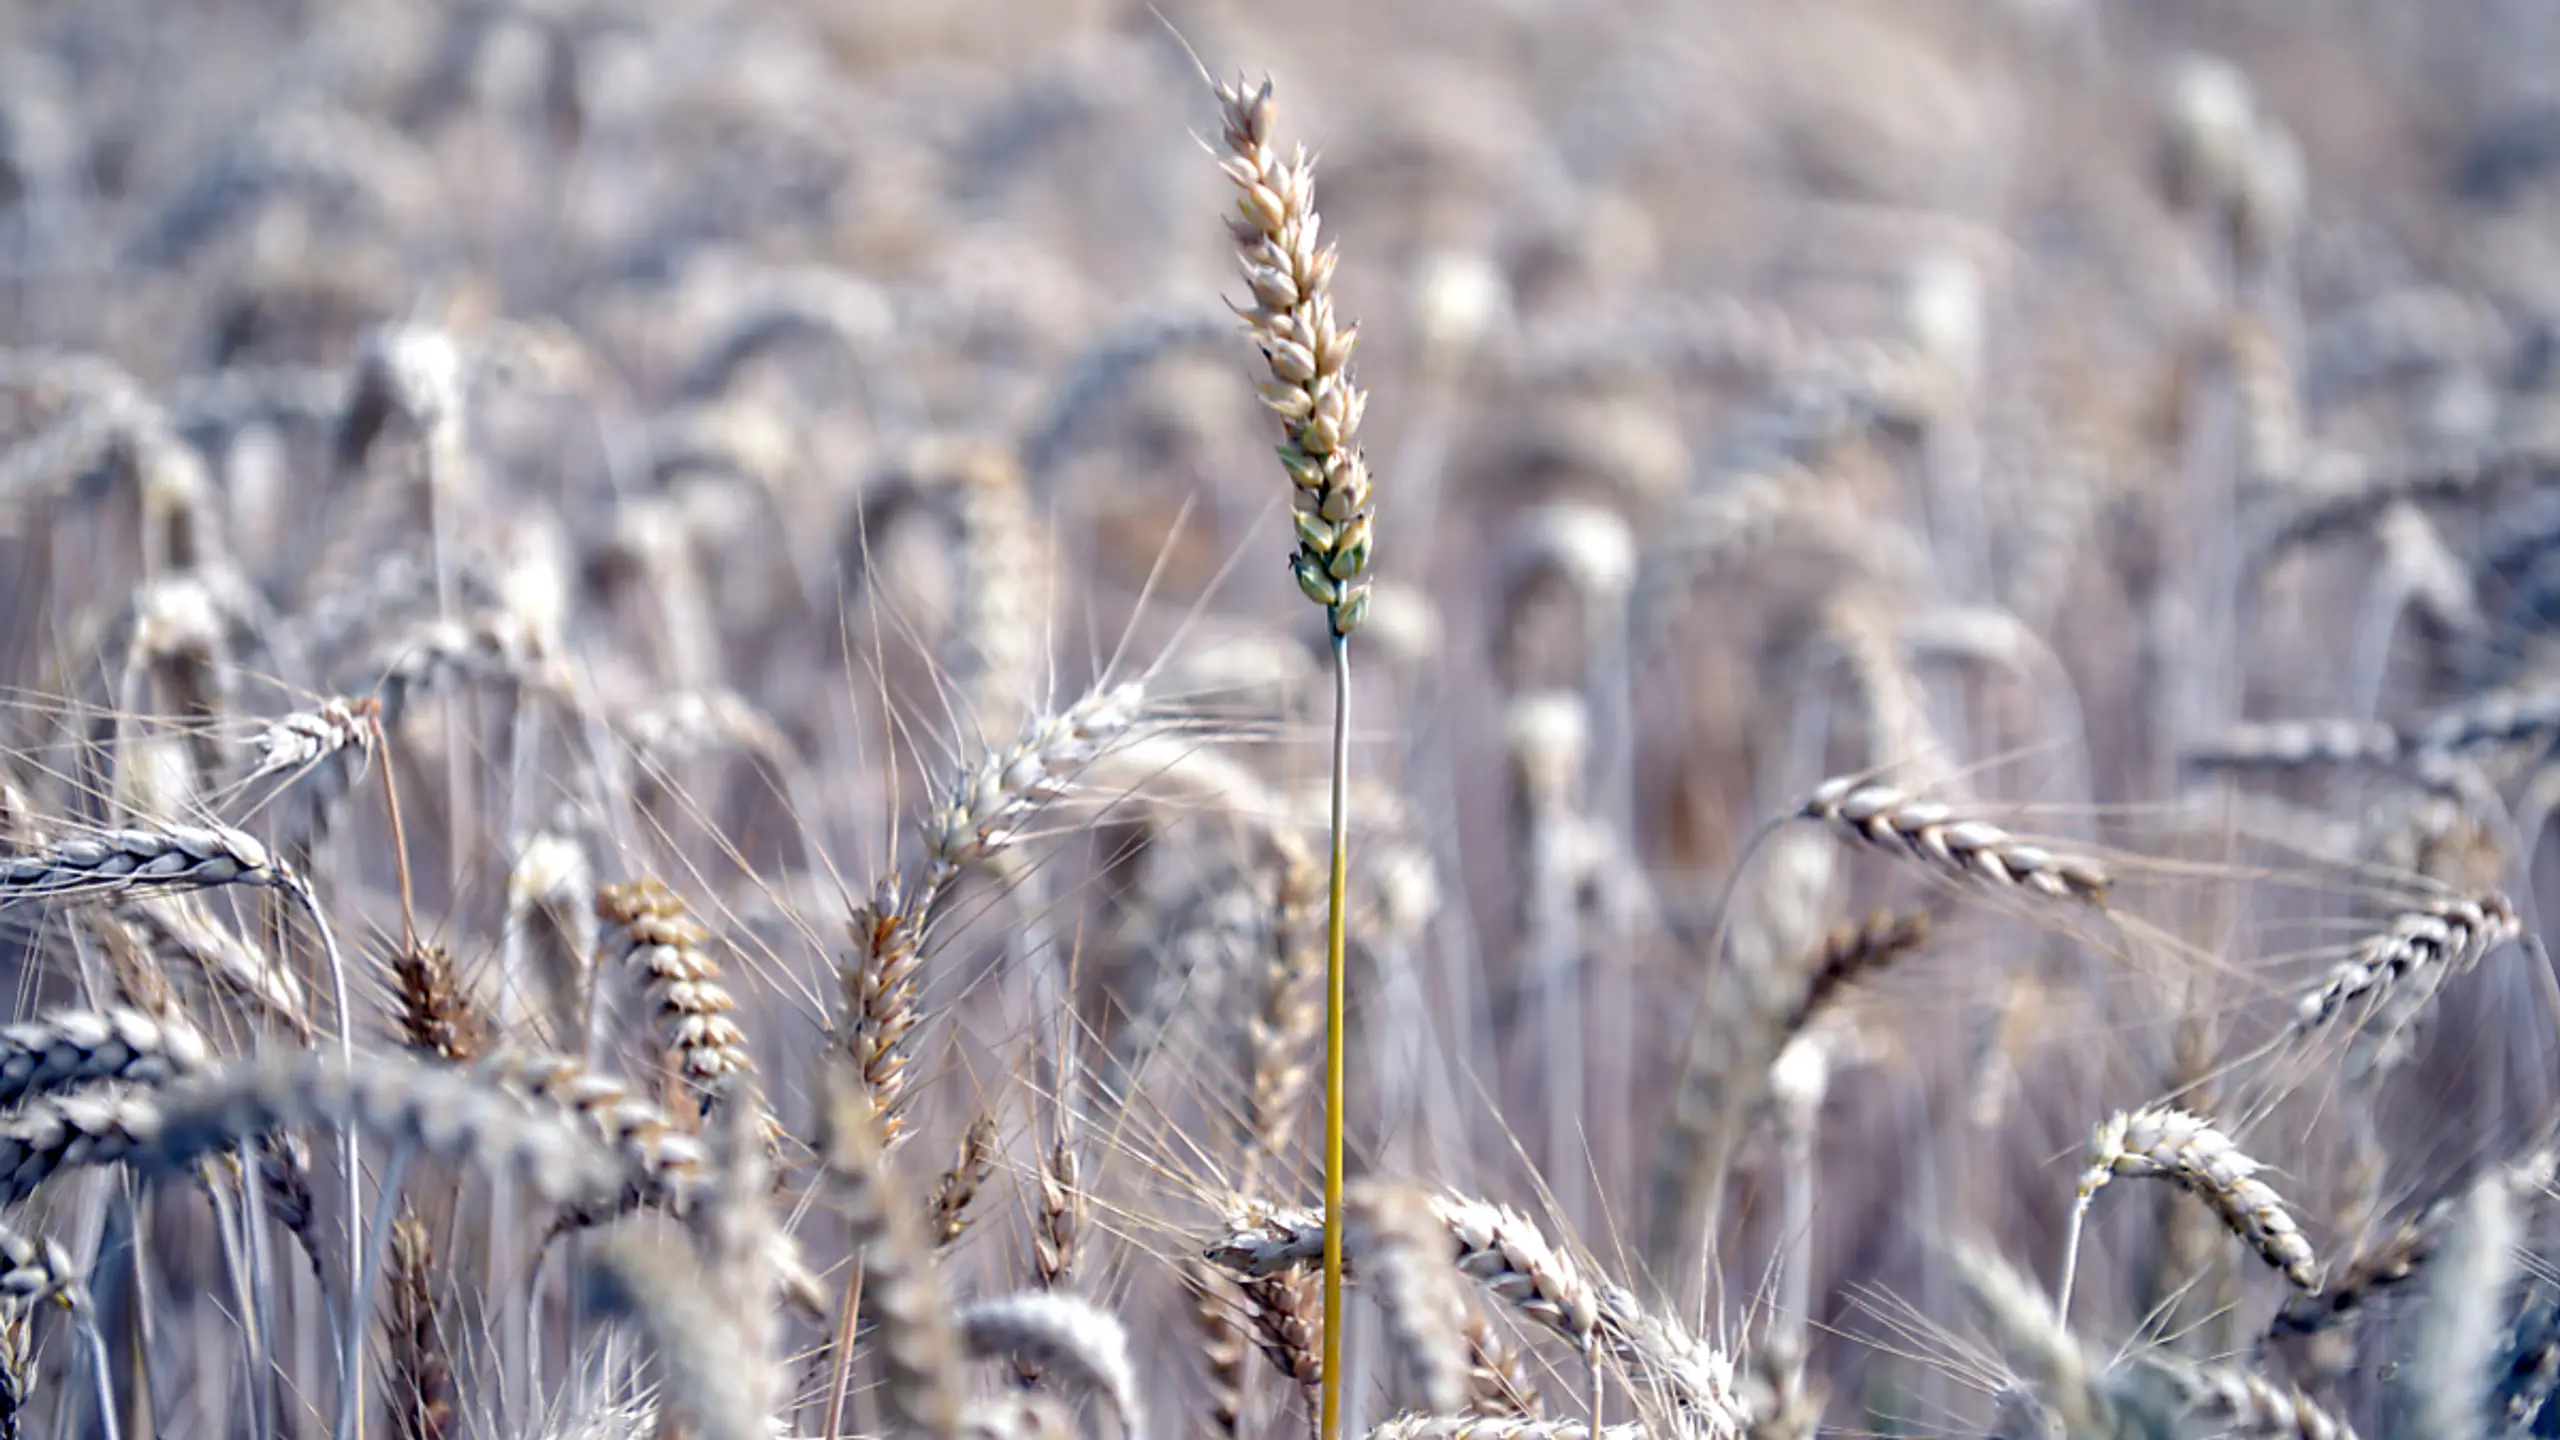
(1289, 272)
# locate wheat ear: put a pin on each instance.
(1496, 1427)
(419, 1368)
(1289, 272)
(2432, 942)
(1505, 1252)
(2165, 1143)
(71, 1048)
(977, 818)
(1971, 850)
(919, 1350)
(958, 1188)
(652, 935)
(1060, 1334)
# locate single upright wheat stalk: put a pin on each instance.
(1290, 274)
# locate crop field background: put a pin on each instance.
(663, 771)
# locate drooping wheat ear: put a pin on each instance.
(2432, 942)
(418, 1366)
(1001, 626)
(2525, 715)
(664, 1162)
(1061, 1335)
(646, 1276)
(2164, 1143)
(1501, 1249)
(919, 1349)
(1972, 850)
(979, 817)
(549, 934)
(1496, 1427)
(437, 1015)
(958, 1188)
(71, 1048)
(125, 862)
(2445, 1390)
(651, 934)
(1290, 274)
(1426, 1313)
(2031, 1335)
(2228, 1401)
(2285, 745)
(1850, 954)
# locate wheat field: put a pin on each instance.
(665, 769)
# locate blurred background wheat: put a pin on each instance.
(662, 774)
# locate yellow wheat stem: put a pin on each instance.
(1330, 1416)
